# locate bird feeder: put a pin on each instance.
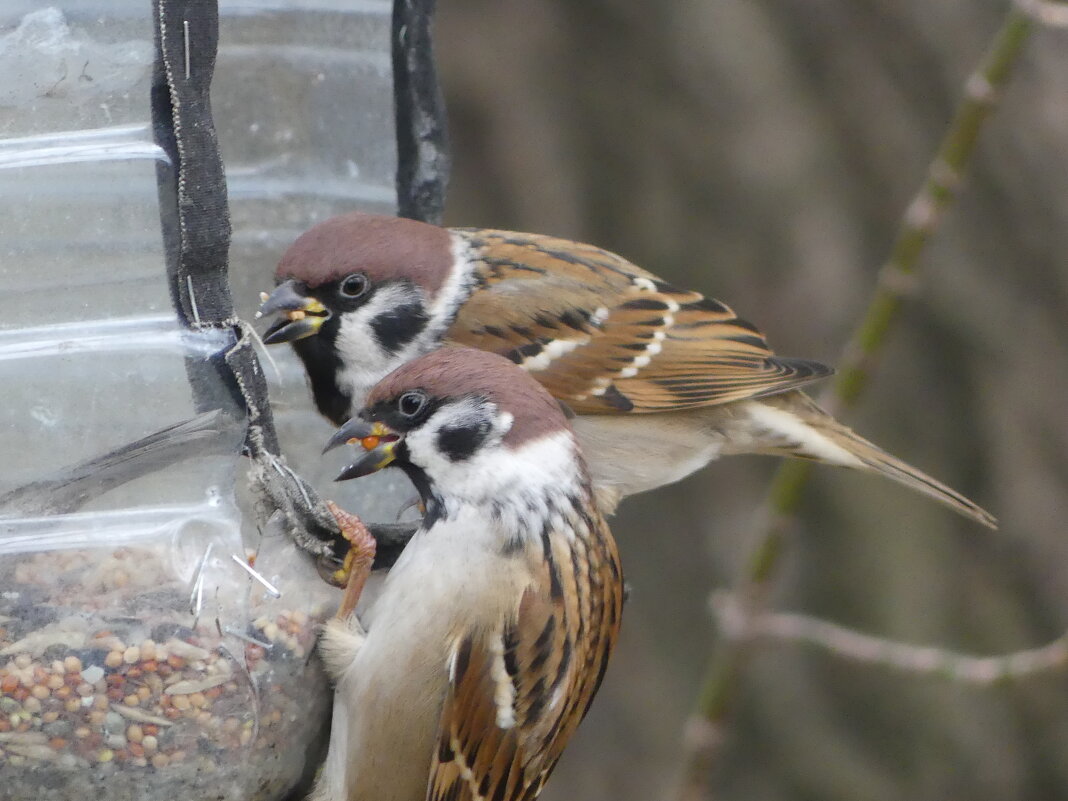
(158, 604)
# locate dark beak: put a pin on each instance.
(303, 315)
(377, 440)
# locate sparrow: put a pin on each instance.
(662, 380)
(472, 668)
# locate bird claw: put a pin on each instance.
(415, 502)
(356, 566)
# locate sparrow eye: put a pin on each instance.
(354, 286)
(411, 403)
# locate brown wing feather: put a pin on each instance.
(542, 669)
(606, 336)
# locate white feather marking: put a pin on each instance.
(600, 315)
(466, 773)
(552, 351)
(659, 336)
(629, 372)
(450, 662)
(641, 361)
(672, 307)
(504, 422)
(455, 290)
(644, 284)
(599, 391)
(503, 689)
(653, 349)
(793, 428)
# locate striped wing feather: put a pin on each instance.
(540, 670)
(606, 336)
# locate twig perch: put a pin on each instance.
(897, 278)
(858, 647)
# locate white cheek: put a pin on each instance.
(506, 478)
(365, 362)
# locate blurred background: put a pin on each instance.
(760, 151)
(763, 153)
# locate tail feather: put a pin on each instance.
(884, 464)
(794, 425)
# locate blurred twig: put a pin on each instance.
(858, 647)
(1049, 12)
(896, 279)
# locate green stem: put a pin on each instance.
(896, 277)
(925, 211)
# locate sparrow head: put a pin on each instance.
(360, 294)
(467, 426)
(387, 271)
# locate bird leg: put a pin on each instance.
(356, 567)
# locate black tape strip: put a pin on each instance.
(196, 231)
(192, 189)
(419, 107)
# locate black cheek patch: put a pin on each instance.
(459, 442)
(400, 325)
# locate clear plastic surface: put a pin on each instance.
(303, 103)
(156, 636)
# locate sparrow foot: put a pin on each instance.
(391, 539)
(356, 567)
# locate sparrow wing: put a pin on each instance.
(606, 336)
(517, 694)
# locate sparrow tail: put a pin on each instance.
(794, 425)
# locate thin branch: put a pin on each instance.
(896, 280)
(857, 647)
(1047, 12)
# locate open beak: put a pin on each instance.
(377, 440)
(303, 316)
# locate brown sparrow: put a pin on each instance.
(663, 380)
(474, 665)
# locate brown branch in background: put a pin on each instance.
(858, 647)
(705, 734)
(1053, 13)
